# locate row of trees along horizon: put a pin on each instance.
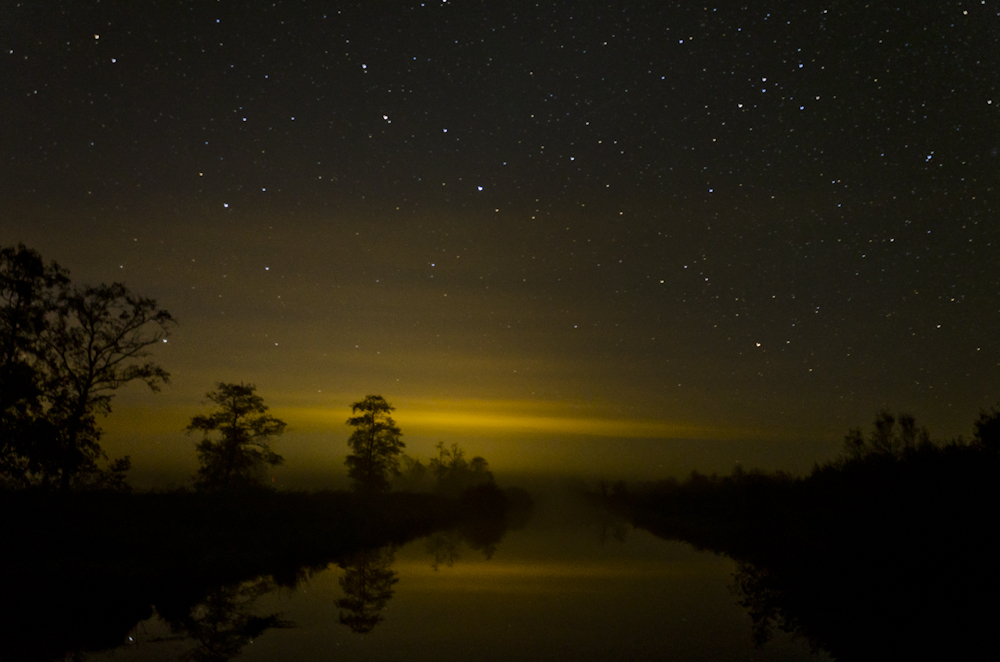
(65, 350)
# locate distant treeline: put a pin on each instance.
(66, 349)
(883, 553)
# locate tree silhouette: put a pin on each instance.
(224, 622)
(413, 475)
(237, 458)
(988, 429)
(65, 350)
(367, 582)
(375, 445)
(95, 345)
(29, 290)
(887, 439)
(454, 473)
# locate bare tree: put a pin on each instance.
(97, 341)
(63, 352)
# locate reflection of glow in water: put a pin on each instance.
(493, 571)
(549, 592)
(549, 577)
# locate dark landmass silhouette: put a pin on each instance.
(888, 553)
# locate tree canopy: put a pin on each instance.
(368, 583)
(987, 429)
(375, 445)
(887, 439)
(64, 351)
(235, 449)
(454, 473)
(29, 290)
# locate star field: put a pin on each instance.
(763, 220)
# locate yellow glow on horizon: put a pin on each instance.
(430, 417)
(145, 419)
(582, 438)
(510, 416)
(444, 417)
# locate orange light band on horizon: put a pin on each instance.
(430, 417)
(494, 419)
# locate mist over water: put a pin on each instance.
(316, 461)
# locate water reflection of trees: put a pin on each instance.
(885, 553)
(224, 622)
(98, 564)
(445, 548)
(368, 583)
(756, 593)
(448, 547)
(482, 536)
(886, 606)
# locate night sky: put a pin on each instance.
(603, 237)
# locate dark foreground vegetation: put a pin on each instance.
(887, 553)
(80, 571)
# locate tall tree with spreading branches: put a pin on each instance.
(98, 341)
(375, 445)
(235, 450)
(65, 351)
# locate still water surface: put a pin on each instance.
(567, 586)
